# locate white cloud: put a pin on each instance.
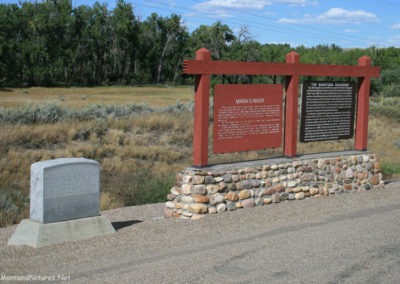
(251, 4)
(243, 4)
(221, 8)
(350, 31)
(302, 3)
(342, 16)
(396, 26)
(337, 16)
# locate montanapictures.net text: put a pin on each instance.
(31, 277)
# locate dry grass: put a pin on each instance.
(79, 97)
(136, 152)
(108, 202)
(139, 155)
(384, 138)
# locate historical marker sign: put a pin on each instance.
(327, 111)
(64, 189)
(247, 117)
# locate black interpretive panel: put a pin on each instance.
(327, 111)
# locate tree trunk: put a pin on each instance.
(161, 61)
(176, 69)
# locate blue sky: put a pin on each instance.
(347, 23)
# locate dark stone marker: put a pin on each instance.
(327, 111)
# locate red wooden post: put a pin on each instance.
(361, 140)
(201, 110)
(291, 110)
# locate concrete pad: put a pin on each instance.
(36, 234)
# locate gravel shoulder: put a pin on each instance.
(148, 248)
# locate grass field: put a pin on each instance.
(79, 97)
(140, 148)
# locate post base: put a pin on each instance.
(36, 234)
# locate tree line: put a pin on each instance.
(52, 43)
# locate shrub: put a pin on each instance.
(53, 112)
(33, 113)
(13, 206)
(390, 111)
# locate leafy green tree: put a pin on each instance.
(10, 38)
(216, 38)
(242, 48)
(163, 43)
(50, 42)
(82, 57)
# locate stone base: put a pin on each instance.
(229, 187)
(36, 234)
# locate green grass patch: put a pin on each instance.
(391, 170)
(140, 187)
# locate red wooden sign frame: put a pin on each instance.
(203, 67)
